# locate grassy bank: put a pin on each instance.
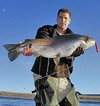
(16, 94)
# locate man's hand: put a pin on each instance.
(78, 52)
(27, 51)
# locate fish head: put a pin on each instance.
(89, 42)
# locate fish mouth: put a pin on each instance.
(91, 42)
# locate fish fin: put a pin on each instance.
(13, 55)
(10, 47)
(97, 47)
(57, 59)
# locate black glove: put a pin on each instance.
(78, 52)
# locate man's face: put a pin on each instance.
(63, 20)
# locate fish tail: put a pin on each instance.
(12, 51)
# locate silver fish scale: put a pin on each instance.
(44, 51)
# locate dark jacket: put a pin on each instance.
(44, 66)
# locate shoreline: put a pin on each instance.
(82, 97)
(17, 95)
(89, 98)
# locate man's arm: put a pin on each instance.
(78, 52)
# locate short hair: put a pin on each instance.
(64, 10)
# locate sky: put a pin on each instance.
(20, 19)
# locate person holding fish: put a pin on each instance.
(52, 77)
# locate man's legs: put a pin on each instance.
(54, 91)
(60, 86)
(72, 97)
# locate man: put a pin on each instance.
(52, 82)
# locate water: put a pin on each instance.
(90, 103)
(6, 101)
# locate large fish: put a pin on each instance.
(56, 47)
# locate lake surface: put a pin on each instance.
(7, 101)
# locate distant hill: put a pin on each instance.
(89, 97)
(16, 95)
